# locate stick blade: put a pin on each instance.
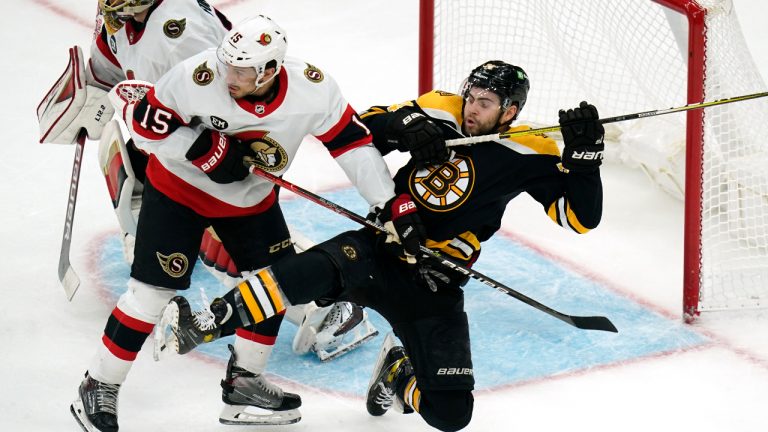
(70, 281)
(594, 323)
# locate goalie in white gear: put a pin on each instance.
(245, 201)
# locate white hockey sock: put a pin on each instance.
(132, 320)
(252, 350)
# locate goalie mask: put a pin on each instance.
(117, 12)
(257, 42)
(508, 81)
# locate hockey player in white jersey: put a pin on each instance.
(197, 124)
(143, 39)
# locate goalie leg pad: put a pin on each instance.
(124, 191)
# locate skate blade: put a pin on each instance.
(248, 415)
(326, 355)
(165, 342)
(389, 342)
(78, 412)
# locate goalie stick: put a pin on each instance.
(67, 275)
(634, 116)
(582, 322)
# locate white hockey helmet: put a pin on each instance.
(117, 12)
(256, 42)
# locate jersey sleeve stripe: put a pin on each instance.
(351, 146)
(347, 134)
(98, 80)
(336, 129)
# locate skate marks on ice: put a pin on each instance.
(512, 343)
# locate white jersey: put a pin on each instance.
(194, 95)
(173, 31)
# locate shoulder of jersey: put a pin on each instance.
(541, 144)
(442, 101)
(201, 69)
(306, 72)
(171, 20)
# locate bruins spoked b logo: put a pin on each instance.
(175, 264)
(443, 187)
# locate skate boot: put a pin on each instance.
(390, 375)
(249, 399)
(333, 331)
(96, 406)
(189, 328)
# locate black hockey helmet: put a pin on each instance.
(508, 81)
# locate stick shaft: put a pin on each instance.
(634, 116)
(588, 323)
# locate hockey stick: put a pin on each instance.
(635, 116)
(582, 322)
(67, 276)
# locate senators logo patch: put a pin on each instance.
(175, 264)
(203, 75)
(445, 187)
(265, 39)
(174, 28)
(313, 74)
(270, 155)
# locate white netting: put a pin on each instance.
(627, 56)
(735, 181)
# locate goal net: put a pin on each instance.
(627, 56)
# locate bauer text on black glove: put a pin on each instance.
(583, 138)
(416, 133)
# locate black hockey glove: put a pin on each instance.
(405, 232)
(219, 156)
(583, 137)
(419, 135)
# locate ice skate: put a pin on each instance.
(249, 399)
(390, 373)
(333, 331)
(95, 408)
(189, 328)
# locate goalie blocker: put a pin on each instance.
(73, 104)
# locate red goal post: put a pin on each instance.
(632, 56)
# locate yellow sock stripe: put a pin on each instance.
(250, 301)
(272, 291)
(412, 394)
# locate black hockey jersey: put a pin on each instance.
(462, 201)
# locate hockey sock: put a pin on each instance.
(256, 299)
(411, 394)
(128, 326)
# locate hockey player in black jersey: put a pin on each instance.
(450, 200)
